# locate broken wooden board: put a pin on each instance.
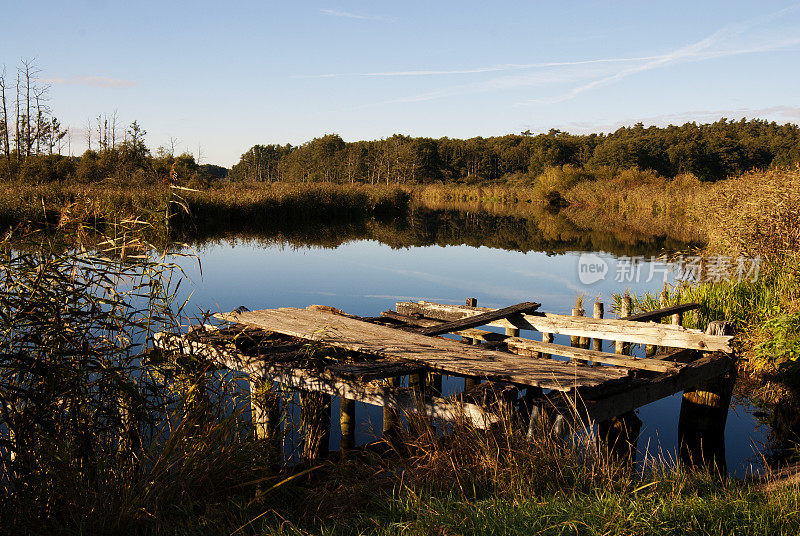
(444, 355)
(481, 319)
(592, 328)
(471, 333)
(658, 314)
(616, 398)
(533, 348)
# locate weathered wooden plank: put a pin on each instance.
(595, 328)
(530, 347)
(658, 314)
(440, 354)
(481, 319)
(635, 393)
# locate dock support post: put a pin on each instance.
(547, 337)
(704, 413)
(624, 310)
(471, 302)
(597, 344)
(417, 422)
(512, 332)
(620, 434)
(471, 383)
(315, 422)
(390, 419)
(578, 342)
(527, 404)
(347, 422)
(435, 383)
(265, 415)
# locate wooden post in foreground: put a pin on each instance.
(704, 413)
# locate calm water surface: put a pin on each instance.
(365, 277)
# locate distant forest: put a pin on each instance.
(709, 151)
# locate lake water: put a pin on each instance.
(365, 277)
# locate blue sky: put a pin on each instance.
(222, 76)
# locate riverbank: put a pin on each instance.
(207, 474)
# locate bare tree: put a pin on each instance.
(114, 130)
(89, 133)
(4, 124)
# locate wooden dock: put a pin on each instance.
(534, 375)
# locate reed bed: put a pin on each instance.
(190, 209)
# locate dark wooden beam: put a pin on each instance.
(658, 314)
(481, 319)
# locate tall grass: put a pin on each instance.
(222, 205)
(498, 482)
(93, 432)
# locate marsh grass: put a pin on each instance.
(192, 210)
(96, 437)
(471, 481)
(94, 433)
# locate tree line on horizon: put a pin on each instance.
(32, 141)
(709, 151)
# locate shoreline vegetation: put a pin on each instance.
(100, 434)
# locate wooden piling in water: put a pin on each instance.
(548, 338)
(347, 423)
(624, 310)
(471, 302)
(512, 332)
(575, 341)
(703, 416)
(471, 383)
(265, 415)
(597, 344)
(390, 418)
(418, 387)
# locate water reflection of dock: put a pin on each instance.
(322, 353)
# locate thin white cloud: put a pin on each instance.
(347, 15)
(748, 37)
(486, 69)
(698, 51)
(92, 81)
